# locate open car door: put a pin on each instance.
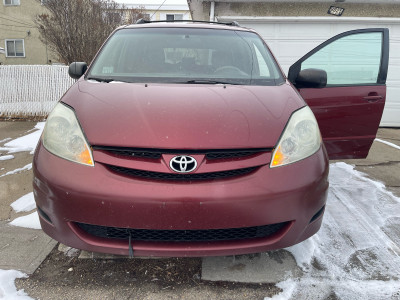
(344, 82)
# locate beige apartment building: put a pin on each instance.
(158, 10)
(19, 38)
(18, 35)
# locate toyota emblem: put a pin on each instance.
(183, 164)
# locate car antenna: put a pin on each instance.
(157, 9)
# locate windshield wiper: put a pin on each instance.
(106, 80)
(209, 81)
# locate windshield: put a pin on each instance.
(186, 55)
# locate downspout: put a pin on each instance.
(212, 8)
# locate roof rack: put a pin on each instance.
(144, 21)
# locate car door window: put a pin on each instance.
(349, 107)
(353, 59)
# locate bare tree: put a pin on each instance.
(75, 29)
(134, 14)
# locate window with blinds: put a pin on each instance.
(172, 17)
(15, 48)
(11, 2)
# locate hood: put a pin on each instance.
(182, 116)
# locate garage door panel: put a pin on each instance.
(393, 92)
(346, 27)
(269, 30)
(292, 30)
(394, 49)
(391, 112)
(285, 48)
(394, 30)
(290, 39)
(393, 73)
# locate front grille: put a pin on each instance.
(208, 235)
(227, 155)
(142, 154)
(181, 177)
(157, 153)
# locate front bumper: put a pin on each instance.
(67, 193)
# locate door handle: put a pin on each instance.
(373, 98)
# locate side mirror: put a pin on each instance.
(311, 78)
(77, 69)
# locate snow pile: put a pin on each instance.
(25, 203)
(288, 286)
(25, 143)
(355, 254)
(6, 157)
(29, 221)
(27, 167)
(8, 291)
(5, 140)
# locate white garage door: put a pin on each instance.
(291, 37)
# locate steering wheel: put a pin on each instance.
(224, 70)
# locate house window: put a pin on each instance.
(15, 48)
(173, 17)
(11, 2)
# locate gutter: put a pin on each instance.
(310, 19)
(212, 11)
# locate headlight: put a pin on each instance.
(63, 136)
(300, 139)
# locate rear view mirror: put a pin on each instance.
(311, 78)
(77, 69)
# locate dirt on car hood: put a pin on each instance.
(182, 116)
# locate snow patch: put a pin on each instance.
(305, 251)
(5, 140)
(8, 291)
(355, 255)
(6, 157)
(27, 167)
(25, 143)
(29, 221)
(288, 286)
(25, 203)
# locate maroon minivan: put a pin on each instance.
(187, 139)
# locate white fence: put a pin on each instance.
(31, 90)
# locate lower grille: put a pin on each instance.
(208, 235)
(181, 177)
